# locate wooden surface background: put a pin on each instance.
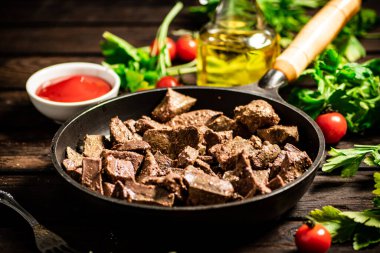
(36, 34)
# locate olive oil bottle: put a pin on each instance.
(236, 47)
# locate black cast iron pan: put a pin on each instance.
(259, 209)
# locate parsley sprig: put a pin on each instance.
(360, 227)
(348, 160)
(352, 89)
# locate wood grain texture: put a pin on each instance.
(40, 33)
(90, 12)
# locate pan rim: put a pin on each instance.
(312, 169)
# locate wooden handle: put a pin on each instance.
(315, 36)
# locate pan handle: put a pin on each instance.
(315, 36)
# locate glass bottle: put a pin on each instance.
(236, 47)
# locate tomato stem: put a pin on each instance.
(310, 223)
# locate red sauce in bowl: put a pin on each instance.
(75, 88)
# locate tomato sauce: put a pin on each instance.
(75, 88)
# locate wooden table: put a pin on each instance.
(36, 34)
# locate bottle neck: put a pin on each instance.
(239, 14)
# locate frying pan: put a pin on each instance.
(288, 66)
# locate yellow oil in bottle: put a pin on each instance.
(236, 48)
(234, 57)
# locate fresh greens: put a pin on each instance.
(362, 228)
(352, 89)
(136, 67)
(288, 23)
(348, 160)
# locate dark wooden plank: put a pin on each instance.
(70, 40)
(101, 239)
(88, 13)
(15, 71)
(353, 194)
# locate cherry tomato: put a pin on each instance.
(170, 44)
(186, 48)
(312, 238)
(333, 125)
(167, 81)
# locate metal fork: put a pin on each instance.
(46, 240)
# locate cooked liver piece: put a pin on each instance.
(212, 138)
(117, 169)
(91, 175)
(261, 179)
(73, 171)
(279, 134)
(242, 177)
(93, 145)
(276, 183)
(226, 153)
(163, 161)
(119, 132)
(257, 114)
(221, 123)
(206, 158)
(130, 124)
(108, 189)
(204, 189)
(150, 168)
(135, 158)
(119, 191)
(265, 156)
(194, 118)
(292, 163)
(144, 194)
(132, 145)
(145, 123)
(174, 103)
(205, 167)
(172, 182)
(187, 156)
(172, 142)
(257, 143)
(74, 156)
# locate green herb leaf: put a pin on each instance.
(349, 159)
(365, 237)
(373, 65)
(369, 218)
(340, 227)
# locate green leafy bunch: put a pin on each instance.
(137, 67)
(360, 227)
(352, 89)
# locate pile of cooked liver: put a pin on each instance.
(178, 157)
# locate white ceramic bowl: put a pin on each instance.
(61, 111)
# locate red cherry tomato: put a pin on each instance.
(170, 44)
(312, 238)
(186, 48)
(167, 81)
(333, 125)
